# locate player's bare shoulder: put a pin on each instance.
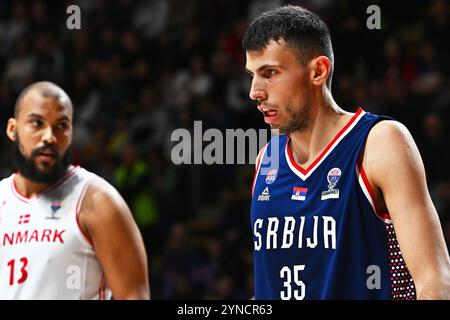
(100, 193)
(389, 145)
(101, 202)
(388, 134)
(389, 138)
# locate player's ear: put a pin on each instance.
(320, 70)
(11, 129)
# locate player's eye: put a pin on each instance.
(62, 126)
(269, 73)
(36, 123)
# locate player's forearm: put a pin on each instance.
(138, 294)
(435, 287)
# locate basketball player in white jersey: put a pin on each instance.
(65, 233)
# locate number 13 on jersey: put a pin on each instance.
(17, 270)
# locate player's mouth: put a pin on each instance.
(270, 116)
(46, 156)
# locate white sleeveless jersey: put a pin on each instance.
(43, 252)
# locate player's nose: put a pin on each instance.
(48, 137)
(257, 92)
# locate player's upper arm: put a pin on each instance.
(394, 166)
(116, 239)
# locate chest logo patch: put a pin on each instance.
(271, 176)
(264, 196)
(299, 193)
(333, 177)
(55, 206)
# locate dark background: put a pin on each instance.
(139, 69)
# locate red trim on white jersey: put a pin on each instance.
(25, 199)
(368, 192)
(77, 213)
(101, 288)
(258, 166)
(305, 173)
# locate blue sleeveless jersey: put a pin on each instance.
(316, 232)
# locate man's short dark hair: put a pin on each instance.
(299, 28)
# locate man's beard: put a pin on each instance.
(299, 120)
(28, 168)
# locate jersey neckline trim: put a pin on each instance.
(25, 199)
(305, 173)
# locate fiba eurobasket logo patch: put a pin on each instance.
(55, 206)
(333, 177)
(271, 176)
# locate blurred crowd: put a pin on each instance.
(138, 69)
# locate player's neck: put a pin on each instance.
(29, 188)
(326, 122)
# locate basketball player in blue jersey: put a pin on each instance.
(340, 206)
(65, 233)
